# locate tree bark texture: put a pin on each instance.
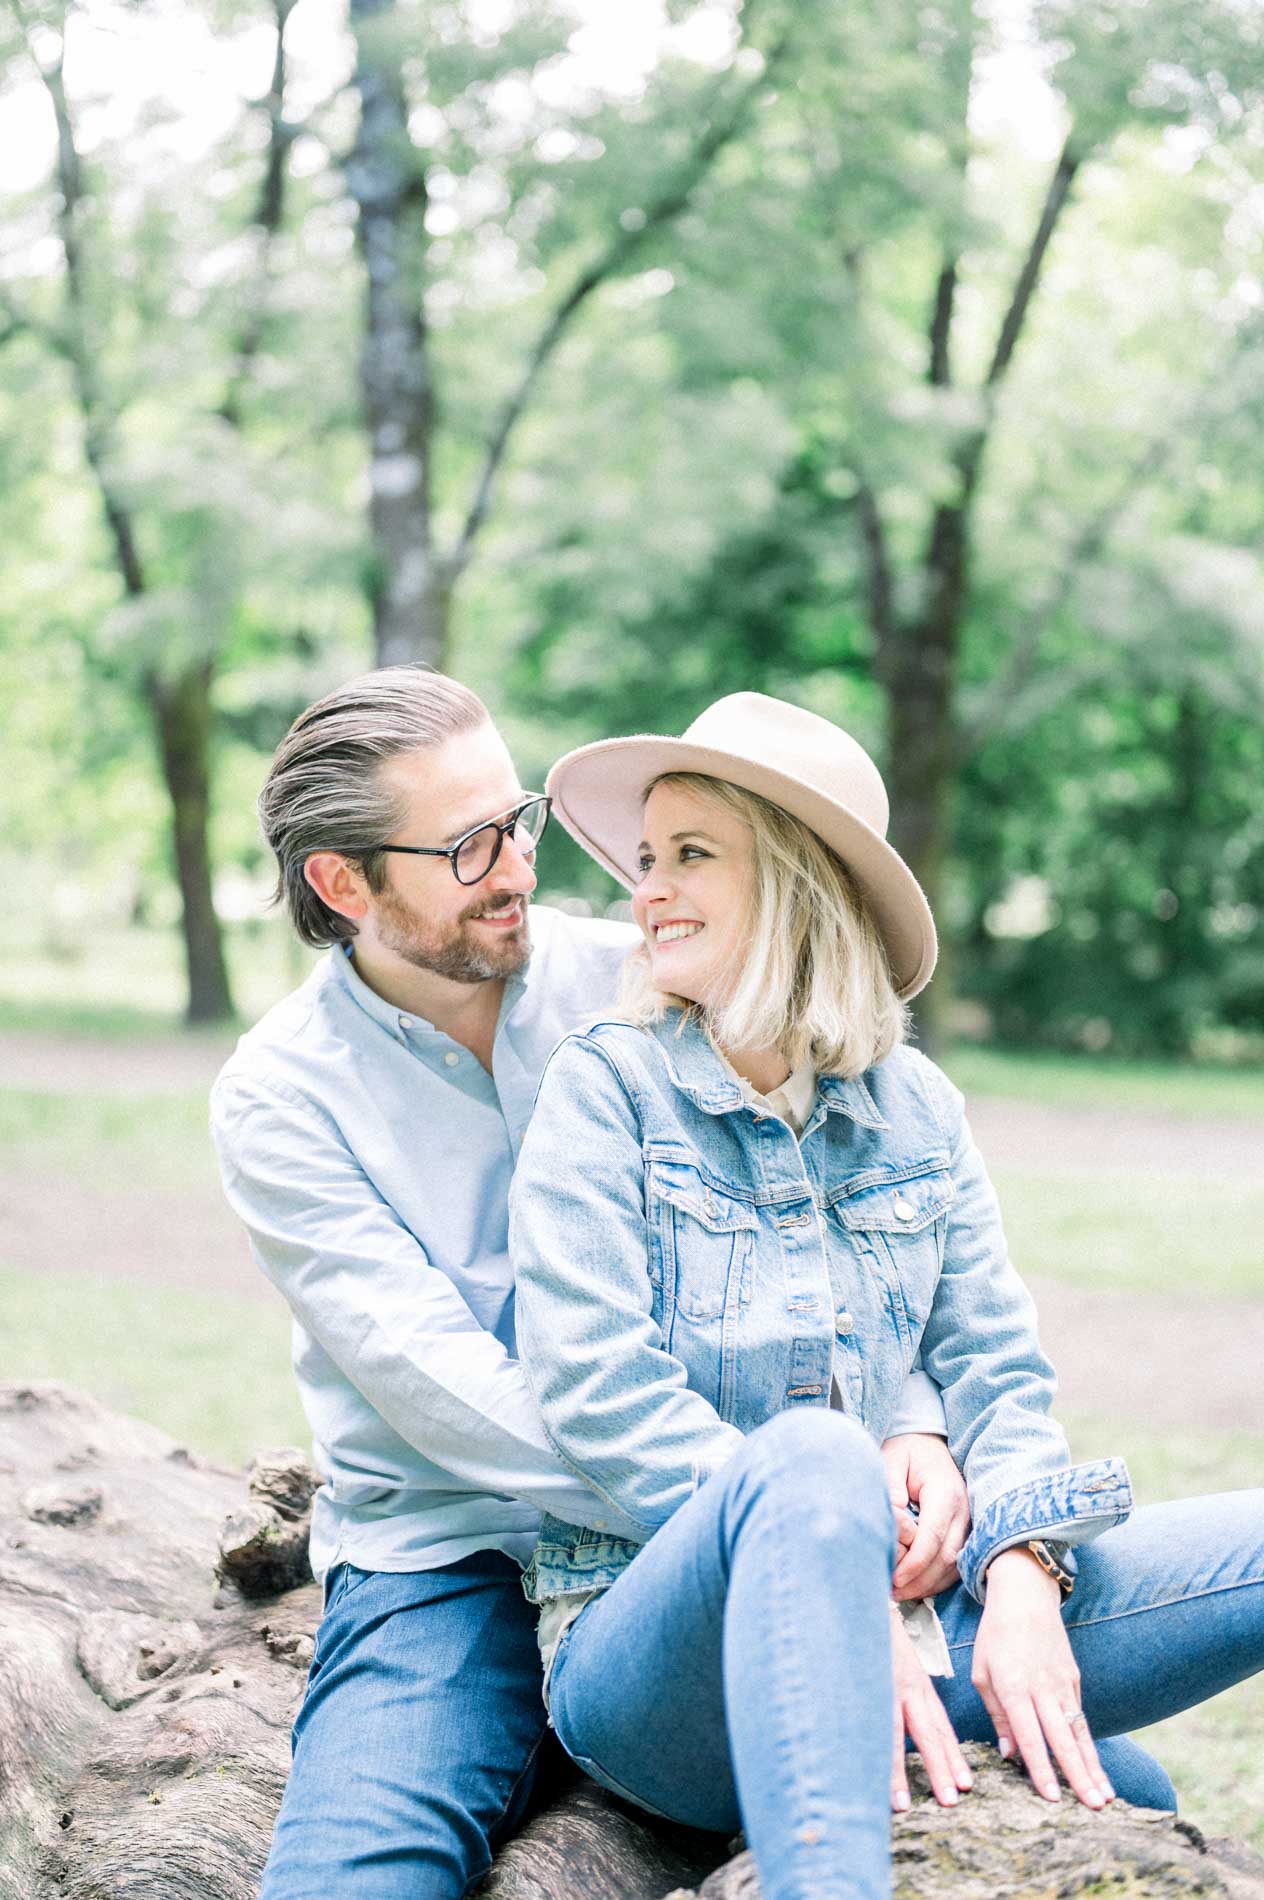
(386, 177)
(156, 1623)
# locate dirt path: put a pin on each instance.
(1176, 1362)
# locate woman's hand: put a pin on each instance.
(921, 1715)
(1027, 1676)
(920, 1471)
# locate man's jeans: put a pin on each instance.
(738, 1674)
(416, 1745)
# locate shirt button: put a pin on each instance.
(904, 1210)
(405, 1022)
(843, 1323)
(451, 1059)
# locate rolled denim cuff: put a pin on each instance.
(1070, 1506)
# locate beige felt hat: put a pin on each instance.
(793, 758)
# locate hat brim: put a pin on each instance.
(598, 792)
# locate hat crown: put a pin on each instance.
(800, 744)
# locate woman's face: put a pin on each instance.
(692, 899)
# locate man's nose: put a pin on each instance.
(514, 869)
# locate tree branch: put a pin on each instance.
(1069, 162)
(875, 556)
(717, 133)
(1083, 547)
(879, 578)
(76, 346)
(940, 372)
(947, 550)
(268, 218)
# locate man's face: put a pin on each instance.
(469, 933)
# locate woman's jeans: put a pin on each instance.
(738, 1673)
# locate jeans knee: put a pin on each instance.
(821, 1454)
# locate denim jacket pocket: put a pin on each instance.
(899, 1224)
(700, 1239)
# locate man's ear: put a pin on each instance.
(337, 883)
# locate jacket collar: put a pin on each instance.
(699, 1073)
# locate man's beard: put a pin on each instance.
(453, 951)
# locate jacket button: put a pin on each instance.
(904, 1210)
(843, 1323)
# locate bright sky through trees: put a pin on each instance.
(127, 60)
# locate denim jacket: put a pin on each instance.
(685, 1269)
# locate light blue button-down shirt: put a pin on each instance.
(370, 1157)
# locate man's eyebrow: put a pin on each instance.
(475, 824)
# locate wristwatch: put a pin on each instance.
(1051, 1557)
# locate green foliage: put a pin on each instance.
(680, 511)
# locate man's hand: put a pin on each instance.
(1026, 1674)
(921, 1715)
(920, 1471)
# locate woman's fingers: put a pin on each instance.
(1000, 1721)
(1067, 1733)
(924, 1550)
(1023, 1724)
(900, 1801)
(1034, 1725)
(932, 1735)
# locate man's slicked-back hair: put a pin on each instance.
(325, 791)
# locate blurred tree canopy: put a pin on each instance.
(904, 360)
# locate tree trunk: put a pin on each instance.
(917, 672)
(408, 583)
(181, 709)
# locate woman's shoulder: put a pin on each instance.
(908, 1079)
(605, 1048)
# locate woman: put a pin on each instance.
(739, 1215)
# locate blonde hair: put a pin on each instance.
(813, 980)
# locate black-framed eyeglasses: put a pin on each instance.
(475, 852)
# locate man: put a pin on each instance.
(366, 1131)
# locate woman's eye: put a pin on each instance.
(693, 851)
(644, 864)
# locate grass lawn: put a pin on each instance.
(99, 1139)
(1138, 1232)
(1063, 1081)
(212, 1370)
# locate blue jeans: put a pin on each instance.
(416, 1745)
(738, 1672)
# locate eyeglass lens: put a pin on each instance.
(481, 849)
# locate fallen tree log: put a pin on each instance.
(156, 1623)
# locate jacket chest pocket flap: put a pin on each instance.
(902, 1224)
(700, 1238)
